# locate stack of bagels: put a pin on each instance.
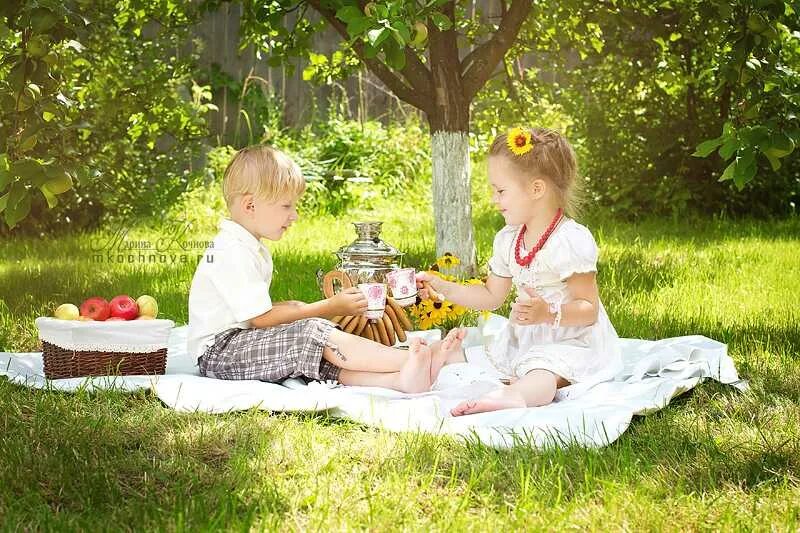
(388, 330)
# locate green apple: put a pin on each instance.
(147, 306)
(67, 312)
(420, 34)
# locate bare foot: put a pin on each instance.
(447, 351)
(415, 374)
(502, 398)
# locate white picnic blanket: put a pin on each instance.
(586, 414)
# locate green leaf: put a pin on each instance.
(706, 147)
(441, 21)
(729, 170)
(402, 30)
(348, 13)
(377, 36)
(58, 184)
(729, 148)
(18, 206)
(773, 161)
(52, 199)
(745, 169)
(370, 52)
(5, 175)
(395, 56)
(780, 145)
(358, 26)
(30, 170)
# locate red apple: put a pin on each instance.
(96, 308)
(115, 319)
(124, 307)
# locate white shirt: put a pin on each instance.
(230, 286)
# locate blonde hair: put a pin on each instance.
(264, 172)
(551, 158)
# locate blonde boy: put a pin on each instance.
(236, 330)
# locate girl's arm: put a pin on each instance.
(581, 311)
(486, 297)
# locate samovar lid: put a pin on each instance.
(368, 243)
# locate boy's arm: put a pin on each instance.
(348, 302)
(286, 312)
(486, 297)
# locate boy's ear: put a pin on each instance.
(247, 203)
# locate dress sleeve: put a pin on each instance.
(501, 250)
(579, 253)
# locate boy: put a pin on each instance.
(236, 331)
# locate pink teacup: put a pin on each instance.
(403, 283)
(376, 299)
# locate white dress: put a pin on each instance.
(576, 353)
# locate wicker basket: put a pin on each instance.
(76, 349)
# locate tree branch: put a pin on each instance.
(478, 65)
(418, 96)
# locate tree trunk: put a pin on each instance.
(448, 117)
(452, 198)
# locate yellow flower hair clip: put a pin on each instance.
(519, 141)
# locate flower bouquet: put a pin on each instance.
(445, 315)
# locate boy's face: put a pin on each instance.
(272, 219)
(514, 195)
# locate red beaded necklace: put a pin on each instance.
(525, 261)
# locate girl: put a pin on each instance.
(558, 332)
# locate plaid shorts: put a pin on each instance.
(271, 354)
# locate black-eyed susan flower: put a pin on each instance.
(448, 260)
(519, 141)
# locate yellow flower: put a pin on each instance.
(448, 260)
(437, 311)
(427, 322)
(458, 310)
(474, 281)
(519, 141)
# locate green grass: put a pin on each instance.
(714, 459)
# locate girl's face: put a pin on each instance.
(514, 195)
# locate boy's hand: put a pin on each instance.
(427, 284)
(533, 310)
(348, 302)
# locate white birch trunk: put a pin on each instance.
(452, 197)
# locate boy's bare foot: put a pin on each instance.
(447, 350)
(415, 374)
(502, 398)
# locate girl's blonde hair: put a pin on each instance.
(264, 172)
(551, 158)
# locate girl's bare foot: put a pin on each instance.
(415, 374)
(448, 350)
(502, 398)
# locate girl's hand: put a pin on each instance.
(526, 312)
(427, 284)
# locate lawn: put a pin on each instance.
(715, 458)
